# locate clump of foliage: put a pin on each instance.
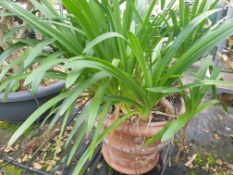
(120, 58)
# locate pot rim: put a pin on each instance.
(27, 95)
(147, 129)
(140, 130)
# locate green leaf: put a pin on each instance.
(35, 51)
(101, 38)
(157, 136)
(37, 75)
(76, 92)
(79, 120)
(113, 71)
(98, 129)
(63, 126)
(65, 42)
(12, 64)
(10, 50)
(121, 99)
(177, 44)
(106, 132)
(72, 77)
(77, 142)
(33, 117)
(177, 124)
(165, 90)
(95, 105)
(137, 49)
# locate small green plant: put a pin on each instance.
(119, 58)
(210, 160)
(220, 172)
(229, 157)
(200, 161)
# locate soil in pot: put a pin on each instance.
(124, 148)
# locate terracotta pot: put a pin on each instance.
(124, 150)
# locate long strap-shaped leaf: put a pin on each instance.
(95, 105)
(76, 92)
(91, 62)
(37, 75)
(137, 49)
(36, 51)
(46, 29)
(200, 47)
(32, 118)
(178, 42)
(106, 132)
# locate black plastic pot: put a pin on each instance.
(21, 105)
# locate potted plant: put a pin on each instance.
(132, 66)
(13, 94)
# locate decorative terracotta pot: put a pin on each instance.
(124, 148)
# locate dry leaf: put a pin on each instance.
(58, 150)
(41, 161)
(219, 162)
(216, 137)
(189, 163)
(99, 165)
(58, 172)
(1, 173)
(25, 158)
(8, 149)
(69, 128)
(87, 142)
(229, 165)
(37, 165)
(207, 167)
(57, 158)
(16, 147)
(49, 168)
(51, 164)
(19, 160)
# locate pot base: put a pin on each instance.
(123, 166)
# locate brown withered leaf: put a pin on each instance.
(216, 137)
(51, 164)
(16, 147)
(37, 165)
(69, 128)
(25, 158)
(58, 150)
(19, 160)
(190, 162)
(99, 165)
(33, 145)
(8, 149)
(57, 158)
(219, 162)
(41, 161)
(58, 172)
